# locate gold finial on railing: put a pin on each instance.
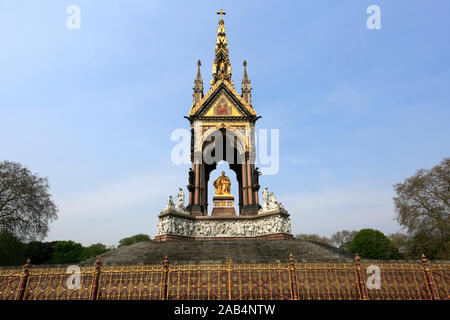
(23, 280)
(425, 261)
(361, 283)
(358, 261)
(95, 282)
(429, 278)
(164, 292)
(293, 277)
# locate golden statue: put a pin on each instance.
(222, 185)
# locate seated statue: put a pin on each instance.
(222, 185)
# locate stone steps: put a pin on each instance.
(214, 251)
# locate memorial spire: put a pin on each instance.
(221, 66)
(246, 87)
(198, 85)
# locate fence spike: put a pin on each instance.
(95, 282)
(361, 283)
(165, 278)
(429, 278)
(293, 277)
(23, 280)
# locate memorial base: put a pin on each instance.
(272, 225)
(171, 237)
(223, 206)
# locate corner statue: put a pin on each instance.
(222, 185)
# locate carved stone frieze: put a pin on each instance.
(177, 224)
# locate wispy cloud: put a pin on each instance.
(330, 209)
(295, 160)
(112, 211)
(343, 98)
(142, 189)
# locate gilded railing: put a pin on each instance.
(9, 283)
(328, 281)
(130, 283)
(398, 281)
(51, 284)
(231, 281)
(441, 277)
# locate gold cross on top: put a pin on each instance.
(221, 12)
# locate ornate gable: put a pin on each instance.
(222, 100)
(222, 107)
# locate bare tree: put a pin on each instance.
(26, 207)
(314, 237)
(341, 239)
(422, 205)
(400, 241)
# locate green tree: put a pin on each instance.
(26, 207)
(373, 244)
(39, 252)
(11, 249)
(422, 207)
(133, 239)
(67, 252)
(94, 250)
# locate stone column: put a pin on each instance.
(240, 194)
(256, 196)
(203, 189)
(191, 189)
(197, 183)
(206, 197)
(249, 183)
(190, 197)
(197, 164)
(244, 185)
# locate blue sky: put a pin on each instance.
(94, 109)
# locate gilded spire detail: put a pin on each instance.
(221, 66)
(198, 85)
(246, 87)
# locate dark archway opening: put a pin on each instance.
(229, 144)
